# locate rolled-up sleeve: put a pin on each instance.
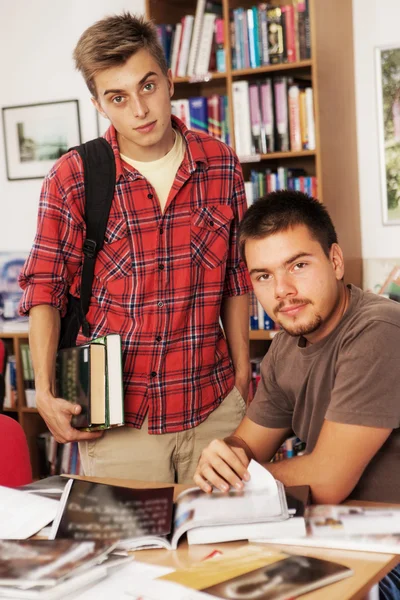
(237, 279)
(56, 254)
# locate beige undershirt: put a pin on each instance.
(161, 173)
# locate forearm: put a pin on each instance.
(306, 470)
(235, 320)
(44, 331)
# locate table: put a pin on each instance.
(368, 567)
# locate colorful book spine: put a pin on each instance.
(294, 118)
(220, 47)
(198, 114)
(214, 116)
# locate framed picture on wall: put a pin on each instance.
(388, 87)
(36, 135)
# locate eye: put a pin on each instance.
(264, 277)
(118, 99)
(149, 87)
(299, 266)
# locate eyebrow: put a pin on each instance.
(286, 263)
(141, 82)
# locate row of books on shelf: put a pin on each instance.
(267, 180)
(209, 115)
(195, 45)
(55, 458)
(272, 115)
(260, 35)
(10, 379)
(266, 34)
(275, 114)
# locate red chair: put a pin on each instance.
(15, 464)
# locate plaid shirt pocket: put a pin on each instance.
(210, 228)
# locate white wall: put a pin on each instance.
(376, 23)
(37, 41)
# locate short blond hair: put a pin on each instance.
(112, 41)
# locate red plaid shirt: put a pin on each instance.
(159, 279)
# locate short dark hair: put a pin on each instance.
(112, 41)
(278, 211)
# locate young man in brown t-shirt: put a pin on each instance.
(331, 374)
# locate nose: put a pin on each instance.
(284, 286)
(139, 107)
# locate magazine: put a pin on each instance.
(51, 570)
(249, 573)
(370, 529)
(143, 518)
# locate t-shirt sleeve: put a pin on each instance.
(366, 389)
(270, 406)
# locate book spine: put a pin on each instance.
(175, 48)
(281, 113)
(214, 123)
(198, 114)
(267, 115)
(196, 36)
(220, 47)
(294, 118)
(207, 36)
(245, 37)
(180, 108)
(187, 27)
(253, 39)
(310, 118)
(275, 36)
(303, 120)
(263, 33)
(241, 113)
(290, 33)
(255, 117)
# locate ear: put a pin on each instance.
(98, 107)
(337, 260)
(170, 83)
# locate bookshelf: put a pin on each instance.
(330, 70)
(29, 418)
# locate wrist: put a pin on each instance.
(237, 442)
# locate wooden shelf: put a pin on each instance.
(11, 410)
(277, 156)
(200, 79)
(262, 334)
(303, 64)
(26, 409)
(12, 335)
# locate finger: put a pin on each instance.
(237, 461)
(69, 407)
(223, 476)
(202, 483)
(211, 474)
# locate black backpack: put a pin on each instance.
(99, 172)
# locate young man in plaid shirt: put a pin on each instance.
(169, 269)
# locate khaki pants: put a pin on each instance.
(130, 453)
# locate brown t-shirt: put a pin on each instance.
(352, 376)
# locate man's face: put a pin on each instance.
(136, 98)
(296, 283)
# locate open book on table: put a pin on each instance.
(46, 569)
(142, 518)
(374, 529)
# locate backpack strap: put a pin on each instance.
(100, 174)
